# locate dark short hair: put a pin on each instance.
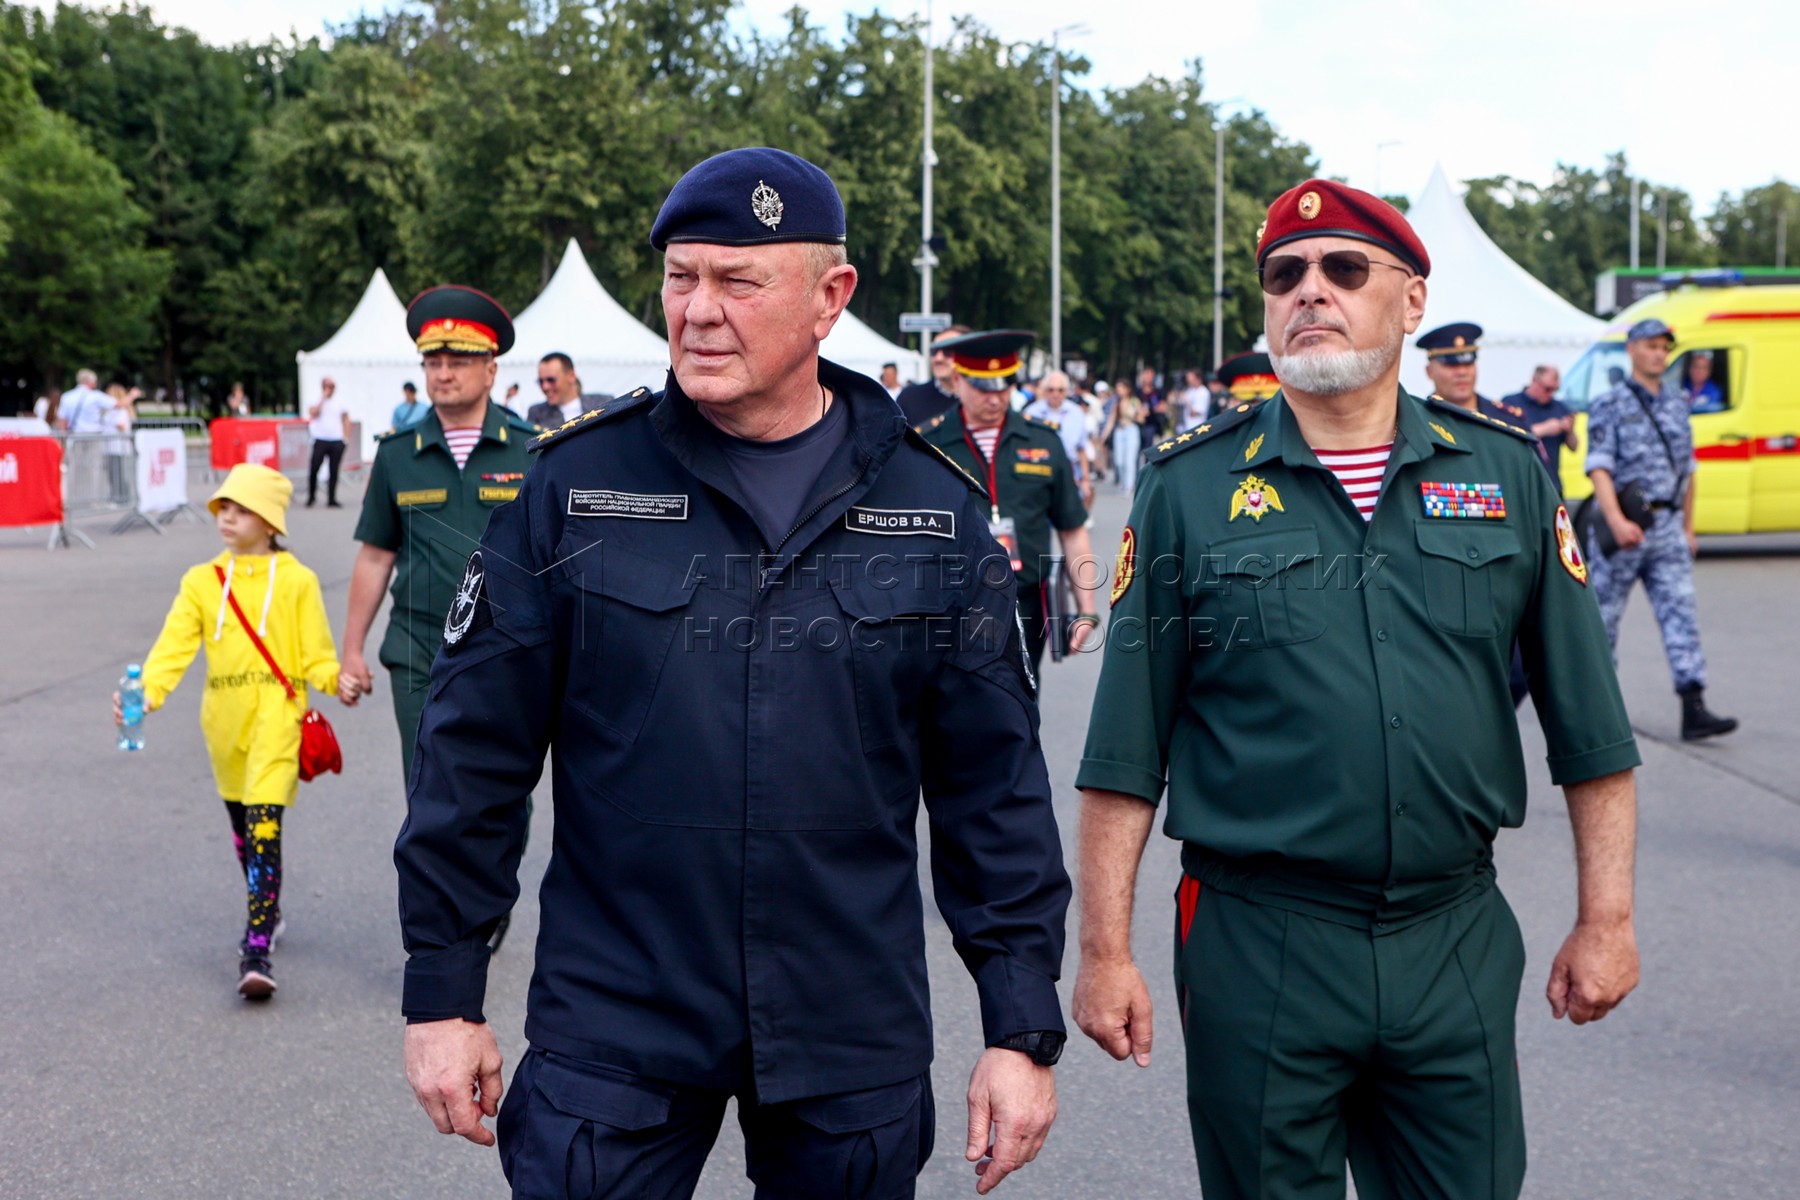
(408, 387)
(558, 356)
(890, 366)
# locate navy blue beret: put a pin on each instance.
(751, 197)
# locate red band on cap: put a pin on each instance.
(1321, 208)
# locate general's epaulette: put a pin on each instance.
(922, 426)
(1438, 404)
(918, 439)
(385, 434)
(1174, 444)
(1052, 426)
(589, 419)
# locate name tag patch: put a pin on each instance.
(1044, 469)
(499, 493)
(1469, 501)
(627, 504)
(422, 496)
(901, 522)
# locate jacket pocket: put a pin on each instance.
(897, 637)
(1265, 583)
(627, 611)
(1456, 559)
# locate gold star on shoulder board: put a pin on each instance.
(1183, 438)
(1166, 446)
(1203, 429)
(1243, 408)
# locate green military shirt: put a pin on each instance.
(1030, 480)
(420, 505)
(1328, 697)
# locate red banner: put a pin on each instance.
(247, 439)
(30, 481)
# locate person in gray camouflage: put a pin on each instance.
(1641, 459)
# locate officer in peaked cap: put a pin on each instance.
(1339, 753)
(1249, 378)
(1451, 352)
(1030, 483)
(758, 618)
(432, 487)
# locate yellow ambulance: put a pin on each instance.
(1746, 427)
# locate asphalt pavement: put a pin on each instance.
(128, 1066)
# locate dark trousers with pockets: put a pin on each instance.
(324, 451)
(576, 1130)
(1312, 1043)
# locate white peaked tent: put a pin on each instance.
(369, 356)
(613, 353)
(1472, 279)
(851, 343)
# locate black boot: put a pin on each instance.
(1697, 721)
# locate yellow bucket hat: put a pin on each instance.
(263, 490)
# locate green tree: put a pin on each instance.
(1759, 227)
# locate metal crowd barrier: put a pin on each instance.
(99, 478)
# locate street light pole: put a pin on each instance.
(1056, 350)
(1635, 203)
(927, 259)
(1218, 323)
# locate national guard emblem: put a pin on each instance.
(1310, 204)
(1568, 548)
(1256, 497)
(1255, 445)
(765, 204)
(463, 608)
(1127, 569)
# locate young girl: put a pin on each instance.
(252, 729)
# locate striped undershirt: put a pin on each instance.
(1360, 472)
(461, 441)
(985, 440)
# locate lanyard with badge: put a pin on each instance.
(1002, 528)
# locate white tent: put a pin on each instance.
(369, 357)
(1472, 279)
(613, 353)
(851, 343)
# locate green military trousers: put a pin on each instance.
(1311, 1042)
(409, 687)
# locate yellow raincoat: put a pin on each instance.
(252, 730)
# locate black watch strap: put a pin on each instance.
(1042, 1046)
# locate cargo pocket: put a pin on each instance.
(897, 637)
(874, 1143)
(1457, 560)
(577, 1113)
(1266, 587)
(629, 609)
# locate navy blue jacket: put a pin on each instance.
(742, 736)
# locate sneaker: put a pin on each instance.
(254, 980)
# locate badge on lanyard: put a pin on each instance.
(1006, 533)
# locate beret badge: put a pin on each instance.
(765, 204)
(1310, 204)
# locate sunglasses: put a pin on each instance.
(1346, 270)
(542, 382)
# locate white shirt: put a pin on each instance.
(328, 426)
(571, 409)
(1071, 427)
(84, 410)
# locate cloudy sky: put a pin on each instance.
(1698, 97)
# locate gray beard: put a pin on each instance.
(1334, 374)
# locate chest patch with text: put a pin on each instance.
(901, 522)
(598, 503)
(1468, 501)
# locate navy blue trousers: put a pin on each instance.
(576, 1130)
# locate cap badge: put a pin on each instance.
(1310, 204)
(765, 204)
(1260, 230)
(1256, 497)
(1461, 341)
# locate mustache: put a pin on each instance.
(1310, 318)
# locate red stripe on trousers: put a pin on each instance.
(1187, 897)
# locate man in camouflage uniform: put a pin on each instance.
(1641, 459)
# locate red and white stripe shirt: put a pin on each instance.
(986, 440)
(1360, 472)
(461, 441)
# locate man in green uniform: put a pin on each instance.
(1319, 669)
(1031, 487)
(431, 490)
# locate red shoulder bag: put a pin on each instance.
(319, 750)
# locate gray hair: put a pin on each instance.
(86, 377)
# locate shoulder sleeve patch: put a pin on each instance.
(591, 418)
(1482, 419)
(918, 439)
(1205, 432)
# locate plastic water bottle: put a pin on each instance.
(131, 708)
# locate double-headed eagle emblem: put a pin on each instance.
(1256, 497)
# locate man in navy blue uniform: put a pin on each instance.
(758, 618)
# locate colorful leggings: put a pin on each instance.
(256, 832)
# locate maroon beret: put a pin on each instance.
(1321, 208)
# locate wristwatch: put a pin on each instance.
(1042, 1046)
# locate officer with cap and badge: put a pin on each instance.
(758, 618)
(1641, 459)
(1248, 378)
(1321, 686)
(1031, 486)
(432, 487)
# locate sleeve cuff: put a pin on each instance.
(442, 985)
(1592, 764)
(1108, 776)
(1598, 462)
(1015, 999)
